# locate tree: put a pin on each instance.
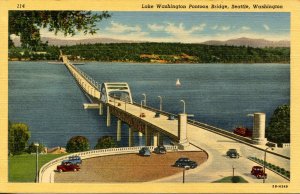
(78, 144)
(105, 142)
(32, 148)
(18, 135)
(27, 24)
(279, 126)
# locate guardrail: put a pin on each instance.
(97, 153)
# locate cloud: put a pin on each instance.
(214, 27)
(122, 28)
(266, 27)
(224, 28)
(155, 27)
(245, 28)
(180, 30)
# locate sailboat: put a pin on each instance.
(178, 84)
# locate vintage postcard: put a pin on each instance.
(149, 96)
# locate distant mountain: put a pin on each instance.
(258, 43)
(250, 42)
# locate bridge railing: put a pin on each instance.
(86, 76)
(97, 153)
(202, 125)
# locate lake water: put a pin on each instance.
(47, 98)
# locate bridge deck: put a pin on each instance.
(214, 141)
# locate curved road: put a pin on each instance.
(216, 146)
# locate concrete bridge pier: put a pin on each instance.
(147, 136)
(119, 126)
(182, 129)
(108, 119)
(155, 139)
(100, 108)
(140, 135)
(130, 137)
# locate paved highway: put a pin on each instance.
(218, 165)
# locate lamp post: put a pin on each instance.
(125, 104)
(160, 103)
(37, 162)
(145, 98)
(233, 170)
(265, 160)
(114, 99)
(183, 105)
(183, 175)
(141, 108)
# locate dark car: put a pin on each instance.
(142, 115)
(183, 162)
(171, 117)
(67, 166)
(160, 149)
(258, 171)
(232, 153)
(157, 115)
(74, 160)
(145, 151)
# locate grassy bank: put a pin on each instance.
(22, 168)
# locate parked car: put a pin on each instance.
(145, 151)
(171, 117)
(67, 166)
(232, 153)
(258, 171)
(157, 115)
(74, 160)
(183, 162)
(160, 149)
(142, 115)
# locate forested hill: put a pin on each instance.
(176, 53)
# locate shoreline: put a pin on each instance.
(142, 63)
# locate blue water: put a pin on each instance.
(47, 98)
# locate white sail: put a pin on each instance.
(178, 83)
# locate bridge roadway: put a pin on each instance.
(214, 144)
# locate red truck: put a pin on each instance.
(258, 171)
(242, 131)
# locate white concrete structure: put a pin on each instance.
(46, 173)
(259, 128)
(121, 87)
(182, 131)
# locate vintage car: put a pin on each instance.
(232, 153)
(67, 166)
(145, 151)
(160, 150)
(185, 162)
(258, 171)
(74, 160)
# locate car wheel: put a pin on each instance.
(258, 176)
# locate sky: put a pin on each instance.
(189, 27)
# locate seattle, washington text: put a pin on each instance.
(211, 6)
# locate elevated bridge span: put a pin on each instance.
(116, 98)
